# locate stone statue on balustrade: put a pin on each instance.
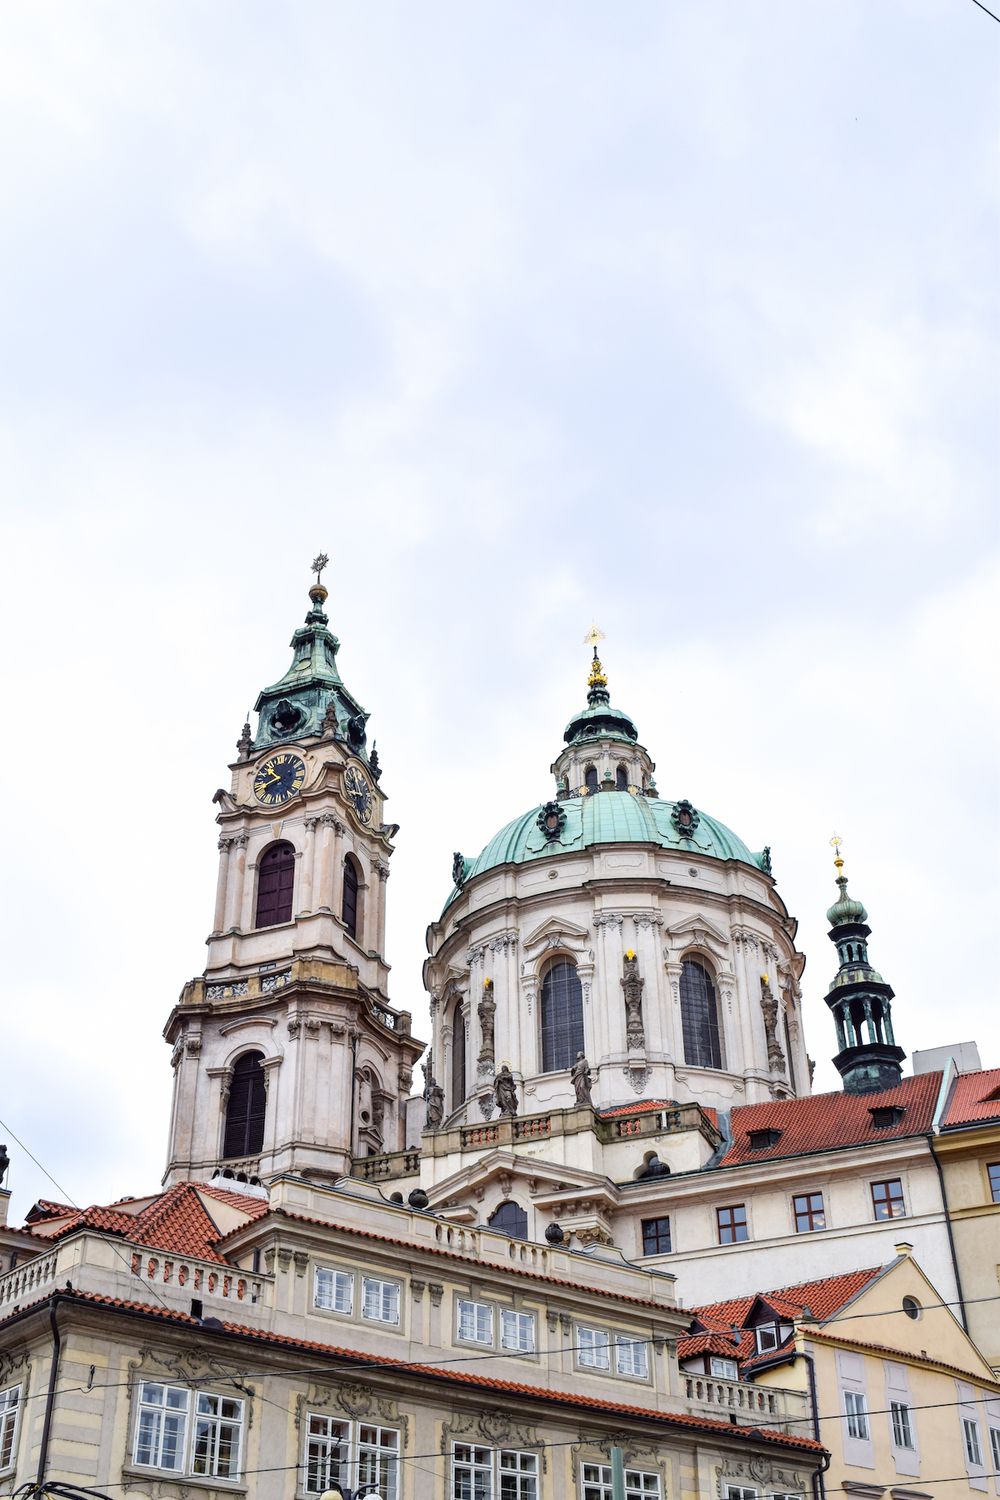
(505, 1091)
(582, 1079)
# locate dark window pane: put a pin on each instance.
(275, 879)
(887, 1199)
(245, 1110)
(809, 1214)
(590, 779)
(994, 1173)
(621, 779)
(699, 1018)
(510, 1218)
(562, 1017)
(349, 901)
(732, 1223)
(457, 1057)
(656, 1236)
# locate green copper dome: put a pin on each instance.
(607, 818)
(846, 910)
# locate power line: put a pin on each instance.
(986, 8)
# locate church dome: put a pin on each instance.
(608, 817)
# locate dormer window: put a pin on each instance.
(761, 1140)
(771, 1336)
(885, 1116)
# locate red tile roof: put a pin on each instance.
(457, 1377)
(822, 1122)
(970, 1098)
(176, 1221)
(647, 1106)
(823, 1298)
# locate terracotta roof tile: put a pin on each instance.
(971, 1098)
(823, 1297)
(641, 1107)
(175, 1220)
(833, 1337)
(457, 1377)
(822, 1122)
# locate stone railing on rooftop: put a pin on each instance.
(388, 1167)
(626, 1125)
(758, 1405)
(28, 1281)
(351, 1204)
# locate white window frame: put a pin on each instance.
(901, 1422)
(773, 1332)
(631, 1357)
(474, 1322)
(377, 1450)
(739, 1492)
(158, 1412)
(995, 1448)
(497, 1465)
(856, 1416)
(389, 1297)
(10, 1421)
(223, 1430)
(640, 1484)
(199, 1415)
(341, 1290)
(513, 1318)
(731, 1370)
(593, 1350)
(972, 1442)
(324, 1461)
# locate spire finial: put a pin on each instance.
(835, 843)
(319, 562)
(597, 677)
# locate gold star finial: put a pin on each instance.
(594, 634)
(835, 843)
(597, 676)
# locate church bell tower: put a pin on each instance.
(287, 1054)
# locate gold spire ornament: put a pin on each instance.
(835, 843)
(597, 676)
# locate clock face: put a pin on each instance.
(279, 779)
(359, 793)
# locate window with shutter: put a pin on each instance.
(244, 1134)
(275, 879)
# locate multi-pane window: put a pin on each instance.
(379, 1300)
(887, 1199)
(639, 1485)
(768, 1337)
(699, 1017)
(631, 1357)
(335, 1449)
(902, 1424)
(739, 1492)
(517, 1331)
(493, 1473)
(475, 1321)
(809, 1212)
(732, 1223)
(724, 1369)
(856, 1411)
(656, 1236)
(562, 1017)
(995, 1447)
(593, 1348)
(10, 1405)
(334, 1290)
(161, 1433)
(510, 1218)
(993, 1172)
(970, 1434)
(218, 1429)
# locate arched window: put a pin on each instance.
(590, 779)
(244, 1134)
(699, 1017)
(562, 1017)
(275, 879)
(349, 900)
(621, 779)
(510, 1218)
(457, 1056)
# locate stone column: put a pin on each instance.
(308, 867)
(221, 889)
(236, 879)
(382, 869)
(326, 894)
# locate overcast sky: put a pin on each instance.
(680, 316)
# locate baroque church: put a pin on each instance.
(567, 1238)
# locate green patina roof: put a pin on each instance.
(606, 818)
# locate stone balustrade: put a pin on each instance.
(27, 1282)
(759, 1405)
(388, 1167)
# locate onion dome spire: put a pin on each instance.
(860, 999)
